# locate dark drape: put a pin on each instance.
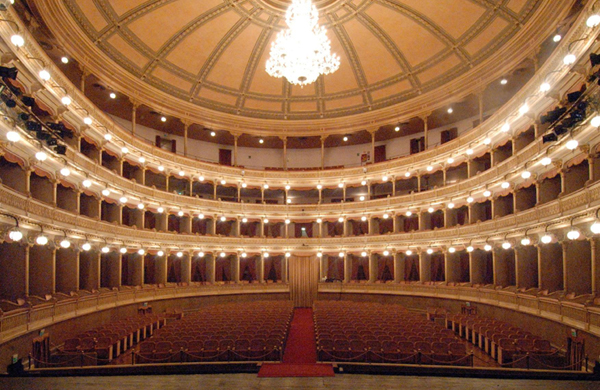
(248, 269)
(437, 268)
(386, 226)
(149, 270)
(198, 270)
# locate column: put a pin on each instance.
(517, 273)
(471, 271)
(495, 266)
(186, 125)
(424, 267)
(323, 267)
(54, 192)
(284, 269)
(347, 268)
(424, 117)
(563, 184)
(418, 182)
(537, 192)
(235, 262)
(284, 139)
(84, 75)
(480, 101)
(539, 250)
(323, 138)
(261, 268)
(373, 131)
(564, 245)
(444, 170)
(399, 259)
(235, 149)
(393, 187)
(133, 117)
(594, 261)
(373, 269)
(211, 268)
(27, 246)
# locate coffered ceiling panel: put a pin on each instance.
(213, 52)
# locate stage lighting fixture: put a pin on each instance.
(560, 130)
(10, 73)
(23, 117)
(10, 103)
(573, 96)
(52, 141)
(60, 149)
(595, 59)
(33, 126)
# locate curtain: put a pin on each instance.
(199, 270)
(385, 271)
(411, 268)
(335, 268)
(199, 226)
(304, 278)
(437, 268)
(222, 270)
(248, 269)
(149, 270)
(385, 226)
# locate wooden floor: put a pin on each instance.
(251, 381)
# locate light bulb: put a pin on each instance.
(123, 199)
(407, 174)
(41, 240)
(572, 144)
(364, 254)
(557, 38)
(341, 254)
(408, 213)
(430, 210)
(160, 210)
(163, 119)
(525, 174)
(546, 161)
(288, 254)
(261, 141)
(87, 120)
(244, 254)
(525, 241)
(65, 244)
(595, 121)
(408, 252)
(487, 141)
(162, 169)
(181, 173)
(569, 59)
(64, 59)
(141, 252)
(86, 247)
(223, 218)
(124, 150)
(266, 220)
(505, 184)
(212, 133)
(470, 248)
(180, 213)
(44, 75)
(361, 198)
(546, 238)
(384, 178)
(244, 220)
(505, 127)
(66, 100)
(345, 139)
(545, 87)
(17, 40)
(503, 81)
(452, 249)
(160, 253)
(319, 254)
(385, 216)
(363, 183)
(200, 254)
(266, 255)
(595, 228)
(65, 171)
(140, 206)
(15, 234)
(13, 136)
(386, 253)
(107, 136)
(593, 21)
(105, 249)
(223, 254)
(266, 186)
(142, 160)
(450, 110)
(429, 251)
(524, 109)
(573, 234)
(179, 254)
(341, 219)
(487, 193)
(487, 247)
(450, 160)
(123, 250)
(319, 186)
(287, 187)
(397, 128)
(363, 218)
(469, 152)
(223, 182)
(287, 221)
(506, 245)
(288, 201)
(470, 199)
(41, 156)
(105, 192)
(450, 205)
(429, 168)
(87, 183)
(113, 95)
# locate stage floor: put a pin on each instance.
(251, 381)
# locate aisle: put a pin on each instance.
(300, 355)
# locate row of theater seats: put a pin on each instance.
(104, 343)
(251, 331)
(378, 333)
(503, 342)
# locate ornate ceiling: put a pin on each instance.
(213, 52)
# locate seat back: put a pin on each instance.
(458, 349)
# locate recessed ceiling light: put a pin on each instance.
(113, 95)
(450, 110)
(504, 81)
(64, 59)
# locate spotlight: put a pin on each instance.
(65, 172)
(160, 210)
(487, 193)
(87, 120)
(266, 255)
(105, 192)
(430, 210)
(549, 138)
(123, 250)
(595, 121)
(452, 249)
(288, 254)
(160, 253)
(108, 137)
(595, 228)
(66, 100)
(212, 133)
(450, 110)
(87, 183)
(341, 254)
(505, 127)
(595, 59)
(364, 254)
(345, 139)
(525, 174)
(261, 141)
(44, 75)
(10, 73)
(163, 119)
(545, 87)
(504, 81)
(386, 253)
(319, 254)
(223, 254)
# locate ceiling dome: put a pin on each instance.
(212, 53)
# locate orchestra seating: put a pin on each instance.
(104, 343)
(249, 331)
(505, 343)
(378, 333)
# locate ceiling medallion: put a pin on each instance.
(302, 52)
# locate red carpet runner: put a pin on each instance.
(300, 355)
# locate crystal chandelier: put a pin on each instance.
(302, 52)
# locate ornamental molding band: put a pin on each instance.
(208, 64)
